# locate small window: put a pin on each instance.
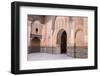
(36, 30)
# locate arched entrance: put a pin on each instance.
(63, 42)
(35, 44)
(78, 40)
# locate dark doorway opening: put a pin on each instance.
(35, 45)
(63, 42)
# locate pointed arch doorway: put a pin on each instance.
(63, 42)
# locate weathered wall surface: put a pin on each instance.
(51, 29)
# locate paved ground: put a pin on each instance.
(46, 56)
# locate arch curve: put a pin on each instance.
(62, 41)
(59, 36)
(76, 31)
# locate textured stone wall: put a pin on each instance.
(51, 28)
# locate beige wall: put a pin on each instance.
(71, 25)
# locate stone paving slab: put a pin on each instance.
(47, 56)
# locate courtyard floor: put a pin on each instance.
(46, 56)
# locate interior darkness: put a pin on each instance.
(63, 42)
